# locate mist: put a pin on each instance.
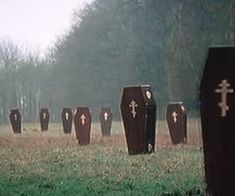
(112, 44)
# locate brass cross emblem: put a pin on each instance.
(83, 118)
(15, 117)
(106, 116)
(44, 115)
(174, 116)
(133, 106)
(67, 116)
(224, 90)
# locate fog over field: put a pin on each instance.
(104, 46)
(82, 53)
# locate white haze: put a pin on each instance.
(36, 23)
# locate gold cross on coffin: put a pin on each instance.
(83, 118)
(174, 116)
(106, 116)
(133, 105)
(15, 117)
(67, 116)
(224, 90)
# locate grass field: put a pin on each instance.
(51, 163)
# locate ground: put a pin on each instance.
(51, 163)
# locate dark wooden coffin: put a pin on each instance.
(138, 110)
(67, 119)
(217, 95)
(44, 118)
(177, 122)
(82, 124)
(15, 119)
(106, 121)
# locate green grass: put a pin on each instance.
(50, 163)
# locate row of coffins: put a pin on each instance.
(217, 116)
(217, 98)
(176, 118)
(82, 122)
(15, 119)
(138, 109)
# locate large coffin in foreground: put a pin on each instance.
(217, 95)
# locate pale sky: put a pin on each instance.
(36, 23)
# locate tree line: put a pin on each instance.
(112, 44)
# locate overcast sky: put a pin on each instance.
(36, 23)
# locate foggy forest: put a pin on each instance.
(113, 44)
